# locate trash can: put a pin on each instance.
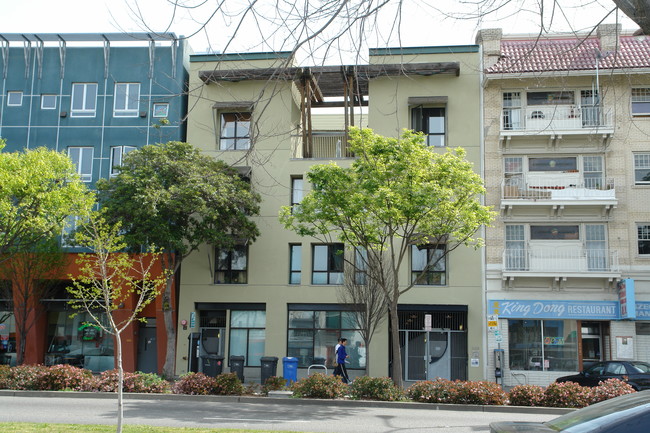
(237, 366)
(212, 365)
(269, 367)
(290, 369)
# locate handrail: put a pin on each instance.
(316, 366)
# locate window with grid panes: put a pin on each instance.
(642, 168)
(640, 102)
(643, 238)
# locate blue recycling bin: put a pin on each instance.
(290, 369)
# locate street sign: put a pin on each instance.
(493, 322)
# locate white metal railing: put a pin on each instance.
(560, 259)
(561, 186)
(325, 144)
(556, 117)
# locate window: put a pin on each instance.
(550, 98)
(592, 168)
(556, 232)
(295, 263)
(642, 169)
(511, 110)
(127, 99)
(160, 109)
(232, 266)
(247, 336)
(641, 102)
(297, 191)
(117, 155)
(82, 158)
(235, 131)
(515, 254)
(14, 99)
(48, 102)
(327, 264)
(360, 265)
(313, 334)
(643, 238)
(548, 345)
(431, 121)
(69, 227)
(552, 164)
(84, 99)
(428, 265)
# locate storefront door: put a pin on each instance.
(428, 355)
(591, 344)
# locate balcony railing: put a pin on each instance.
(556, 118)
(564, 186)
(560, 260)
(325, 145)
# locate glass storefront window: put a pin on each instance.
(77, 341)
(247, 335)
(544, 345)
(7, 338)
(313, 335)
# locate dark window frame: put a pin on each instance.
(230, 274)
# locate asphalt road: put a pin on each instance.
(322, 418)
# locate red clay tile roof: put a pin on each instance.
(545, 55)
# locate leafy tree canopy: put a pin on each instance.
(173, 196)
(39, 189)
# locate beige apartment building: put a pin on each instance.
(567, 165)
(277, 296)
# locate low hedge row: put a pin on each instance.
(66, 377)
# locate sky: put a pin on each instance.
(423, 22)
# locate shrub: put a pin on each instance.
(567, 394)
(375, 388)
(194, 384)
(228, 384)
(274, 383)
(609, 388)
(433, 391)
(25, 377)
(65, 377)
(319, 385)
(5, 371)
(132, 382)
(479, 392)
(527, 395)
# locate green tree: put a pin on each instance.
(173, 196)
(113, 286)
(39, 190)
(397, 193)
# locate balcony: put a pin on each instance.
(556, 118)
(325, 145)
(560, 261)
(557, 191)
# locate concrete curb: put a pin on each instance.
(291, 401)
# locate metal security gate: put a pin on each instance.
(433, 351)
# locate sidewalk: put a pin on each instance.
(291, 401)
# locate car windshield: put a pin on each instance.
(640, 367)
(620, 407)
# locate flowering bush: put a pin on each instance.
(319, 385)
(480, 392)
(375, 388)
(527, 395)
(274, 383)
(132, 382)
(433, 391)
(228, 384)
(194, 384)
(24, 377)
(609, 388)
(65, 377)
(567, 394)
(5, 371)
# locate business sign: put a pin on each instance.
(642, 310)
(626, 298)
(525, 309)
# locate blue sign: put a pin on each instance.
(592, 310)
(626, 298)
(643, 310)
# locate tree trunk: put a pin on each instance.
(170, 329)
(120, 383)
(396, 371)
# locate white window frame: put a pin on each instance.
(85, 110)
(642, 235)
(130, 106)
(641, 162)
(44, 98)
(13, 94)
(117, 155)
(160, 109)
(84, 175)
(642, 97)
